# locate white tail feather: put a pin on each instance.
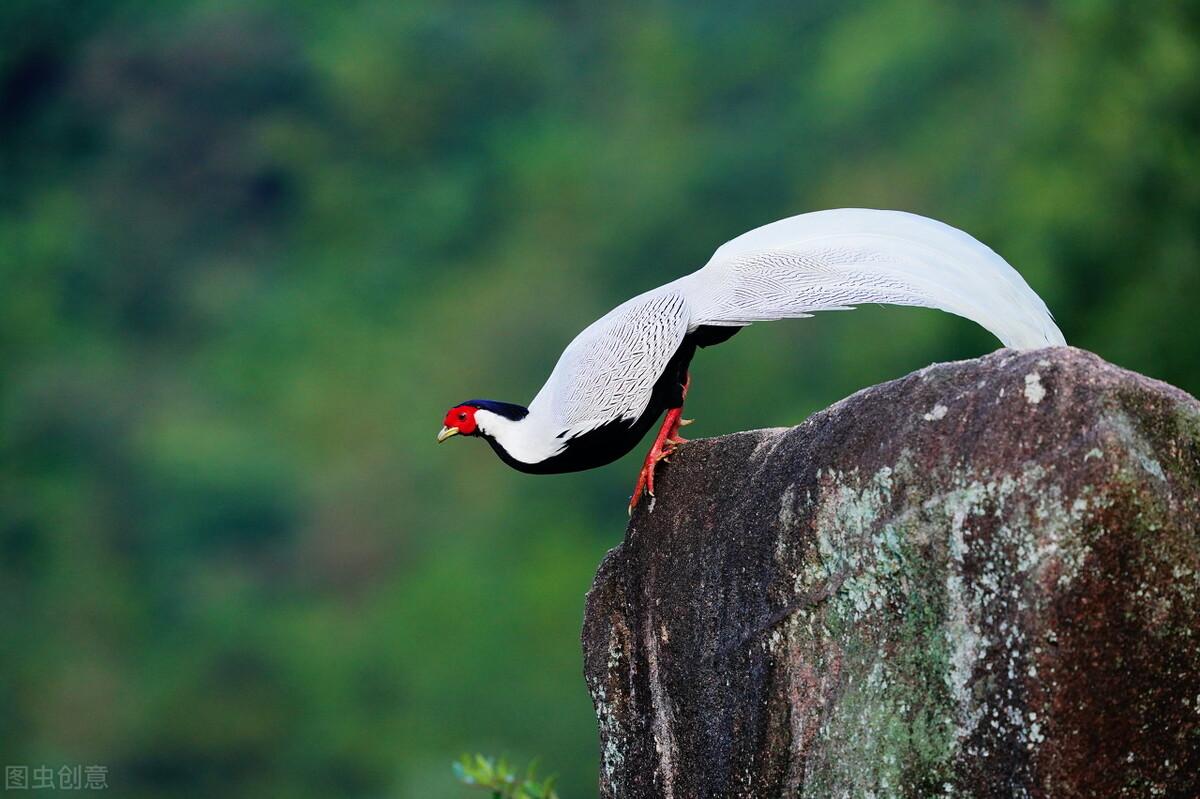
(836, 259)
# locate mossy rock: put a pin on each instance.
(982, 579)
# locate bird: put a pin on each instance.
(630, 367)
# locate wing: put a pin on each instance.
(833, 260)
(608, 372)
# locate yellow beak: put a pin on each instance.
(447, 432)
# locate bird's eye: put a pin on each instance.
(462, 417)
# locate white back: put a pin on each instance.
(813, 262)
(609, 370)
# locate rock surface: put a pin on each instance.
(980, 580)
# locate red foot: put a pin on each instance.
(665, 444)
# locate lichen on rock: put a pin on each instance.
(899, 599)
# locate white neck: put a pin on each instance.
(526, 440)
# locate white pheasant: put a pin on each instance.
(625, 369)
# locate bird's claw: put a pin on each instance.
(665, 445)
(645, 481)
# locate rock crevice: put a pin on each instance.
(982, 579)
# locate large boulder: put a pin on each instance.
(982, 579)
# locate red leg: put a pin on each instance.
(665, 443)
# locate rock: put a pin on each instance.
(980, 580)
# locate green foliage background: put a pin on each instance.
(251, 251)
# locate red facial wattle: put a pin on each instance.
(461, 419)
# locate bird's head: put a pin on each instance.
(480, 417)
(460, 420)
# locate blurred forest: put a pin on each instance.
(252, 251)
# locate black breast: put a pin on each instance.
(612, 440)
